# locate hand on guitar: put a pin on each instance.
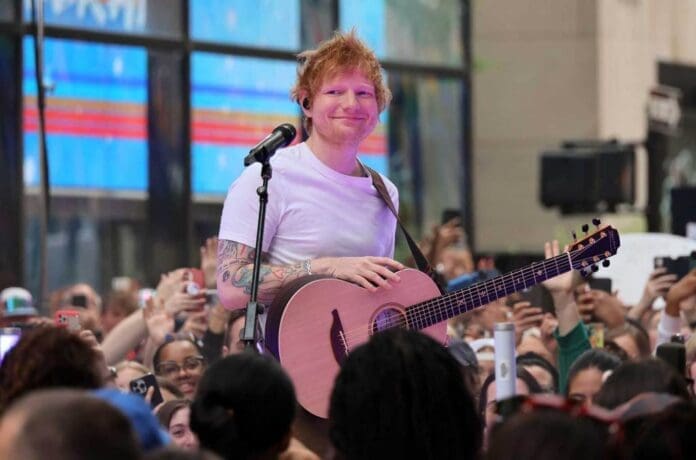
(368, 272)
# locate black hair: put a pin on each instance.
(665, 434)
(522, 374)
(156, 357)
(595, 358)
(244, 406)
(535, 359)
(547, 434)
(401, 395)
(634, 377)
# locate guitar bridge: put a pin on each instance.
(339, 344)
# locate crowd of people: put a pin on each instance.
(399, 395)
(162, 373)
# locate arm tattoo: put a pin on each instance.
(236, 265)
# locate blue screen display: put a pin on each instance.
(96, 121)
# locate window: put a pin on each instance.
(95, 119)
(259, 23)
(423, 32)
(140, 17)
(236, 102)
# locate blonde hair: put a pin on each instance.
(339, 53)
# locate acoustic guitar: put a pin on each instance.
(316, 321)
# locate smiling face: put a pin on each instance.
(344, 110)
(181, 362)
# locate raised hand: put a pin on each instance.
(525, 316)
(209, 261)
(682, 291)
(368, 272)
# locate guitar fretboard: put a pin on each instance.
(433, 311)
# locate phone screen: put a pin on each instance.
(9, 336)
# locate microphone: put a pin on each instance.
(264, 150)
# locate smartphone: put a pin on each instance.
(9, 336)
(141, 385)
(449, 214)
(69, 319)
(600, 284)
(679, 266)
(78, 300)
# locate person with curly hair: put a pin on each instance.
(49, 357)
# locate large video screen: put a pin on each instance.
(96, 117)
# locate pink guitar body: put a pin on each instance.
(303, 331)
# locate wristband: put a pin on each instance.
(307, 266)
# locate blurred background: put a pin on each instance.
(528, 117)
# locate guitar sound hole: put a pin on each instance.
(388, 318)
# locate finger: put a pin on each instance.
(669, 277)
(657, 272)
(531, 320)
(386, 262)
(376, 279)
(362, 282)
(554, 248)
(532, 311)
(547, 250)
(519, 306)
(384, 273)
(149, 393)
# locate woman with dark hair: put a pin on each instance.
(541, 369)
(526, 384)
(182, 362)
(401, 395)
(635, 377)
(175, 416)
(548, 434)
(632, 338)
(244, 408)
(48, 357)
(587, 373)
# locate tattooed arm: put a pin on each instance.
(236, 263)
(234, 272)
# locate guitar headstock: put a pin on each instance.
(594, 248)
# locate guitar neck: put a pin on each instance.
(433, 311)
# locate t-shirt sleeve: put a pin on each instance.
(240, 211)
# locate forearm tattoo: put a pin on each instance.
(236, 266)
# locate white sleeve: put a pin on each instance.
(667, 327)
(240, 211)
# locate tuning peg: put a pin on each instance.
(605, 263)
(585, 228)
(595, 268)
(596, 222)
(575, 235)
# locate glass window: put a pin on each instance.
(260, 23)
(6, 10)
(423, 32)
(151, 17)
(95, 119)
(236, 102)
(426, 146)
(97, 145)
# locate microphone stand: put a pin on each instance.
(250, 332)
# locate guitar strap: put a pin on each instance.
(421, 261)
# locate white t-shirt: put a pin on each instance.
(313, 211)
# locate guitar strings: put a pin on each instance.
(429, 312)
